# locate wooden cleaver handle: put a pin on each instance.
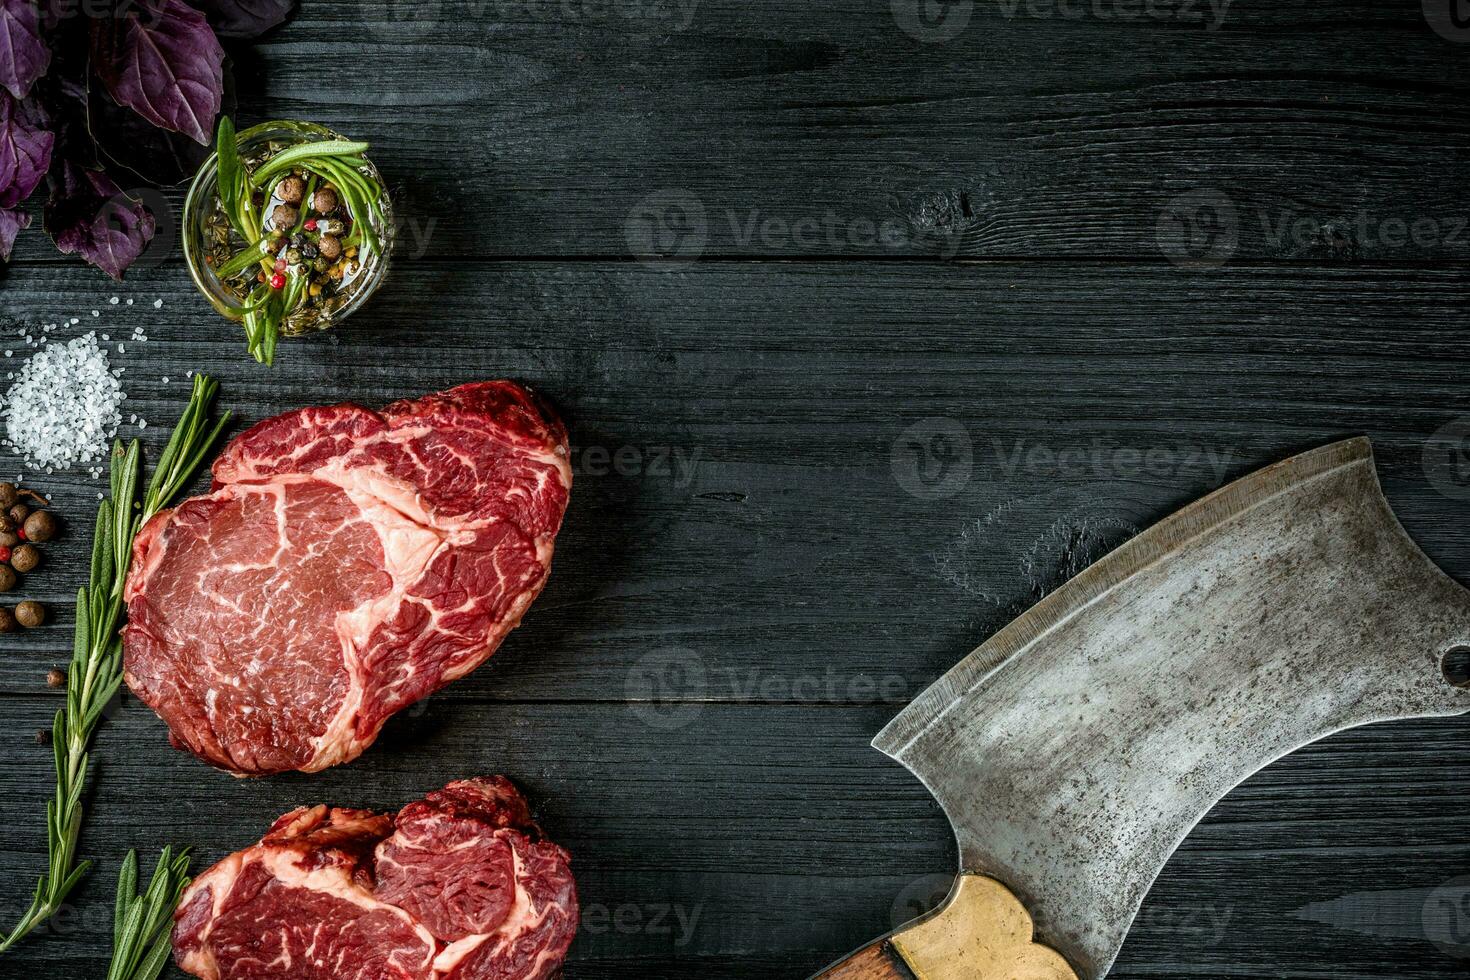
(982, 932)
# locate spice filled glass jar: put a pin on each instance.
(287, 229)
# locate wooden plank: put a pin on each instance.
(795, 557)
(740, 526)
(770, 838)
(1014, 128)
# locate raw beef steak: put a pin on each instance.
(347, 564)
(459, 886)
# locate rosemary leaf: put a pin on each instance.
(228, 171)
(141, 925)
(127, 887)
(305, 155)
(96, 667)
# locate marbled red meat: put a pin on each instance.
(458, 886)
(346, 564)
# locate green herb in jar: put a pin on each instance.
(301, 223)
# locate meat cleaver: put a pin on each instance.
(1077, 747)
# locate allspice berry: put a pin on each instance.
(25, 558)
(9, 495)
(291, 190)
(7, 621)
(283, 218)
(18, 514)
(41, 526)
(30, 614)
(9, 539)
(8, 578)
(55, 677)
(324, 201)
(43, 736)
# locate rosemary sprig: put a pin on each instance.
(140, 937)
(97, 655)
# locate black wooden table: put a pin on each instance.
(851, 307)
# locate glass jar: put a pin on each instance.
(206, 231)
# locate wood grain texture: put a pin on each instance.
(875, 962)
(769, 128)
(691, 700)
(740, 507)
(777, 536)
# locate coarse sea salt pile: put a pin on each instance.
(66, 405)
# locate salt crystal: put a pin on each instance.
(165, 379)
(113, 301)
(142, 423)
(96, 312)
(65, 397)
(158, 304)
(130, 302)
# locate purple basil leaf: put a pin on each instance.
(23, 55)
(25, 149)
(12, 222)
(245, 18)
(153, 155)
(89, 216)
(161, 59)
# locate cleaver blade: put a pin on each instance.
(1077, 747)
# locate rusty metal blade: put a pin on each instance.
(1077, 747)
